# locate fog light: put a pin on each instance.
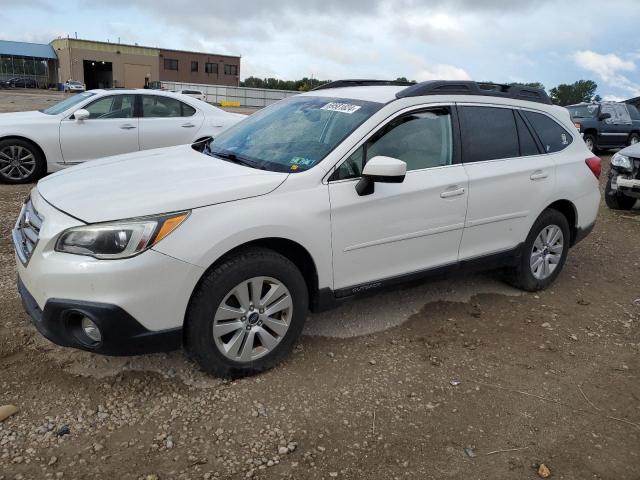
(90, 329)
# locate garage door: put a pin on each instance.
(134, 75)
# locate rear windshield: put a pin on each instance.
(66, 104)
(583, 111)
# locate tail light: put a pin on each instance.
(595, 165)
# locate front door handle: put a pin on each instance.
(127, 126)
(187, 125)
(538, 175)
(452, 192)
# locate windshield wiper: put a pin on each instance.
(232, 157)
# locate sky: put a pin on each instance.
(548, 41)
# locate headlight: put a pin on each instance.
(121, 239)
(622, 161)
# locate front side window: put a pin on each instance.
(112, 106)
(294, 134)
(488, 133)
(154, 106)
(170, 64)
(67, 103)
(619, 114)
(420, 139)
(553, 137)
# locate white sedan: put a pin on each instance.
(101, 123)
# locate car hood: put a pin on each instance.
(11, 118)
(631, 151)
(152, 182)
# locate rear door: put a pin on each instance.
(510, 179)
(167, 121)
(111, 129)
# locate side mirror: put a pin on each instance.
(383, 170)
(604, 116)
(81, 114)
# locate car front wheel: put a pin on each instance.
(544, 252)
(616, 200)
(20, 161)
(246, 314)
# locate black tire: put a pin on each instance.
(521, 276)
(633, 139)
(616, 200)
(588, 138)
(9, 174)
(212, 290)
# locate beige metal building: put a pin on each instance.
(111, 65)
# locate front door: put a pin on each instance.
(614, 131)
(111, 129)
(166, 121)
(406, 227)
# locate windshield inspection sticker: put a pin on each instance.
(341, 107)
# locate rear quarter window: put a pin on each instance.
(553, 136)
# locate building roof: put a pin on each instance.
(24, 49)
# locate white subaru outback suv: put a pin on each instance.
(346, 189)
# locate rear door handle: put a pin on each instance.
(538, 175)
(187, 125)
(127, 126)
(452, 192)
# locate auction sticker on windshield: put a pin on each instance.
(341, 107)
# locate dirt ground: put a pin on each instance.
(461, 378)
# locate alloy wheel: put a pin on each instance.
(546, 252)
(17, 162)
(589, 143)
(252, 319)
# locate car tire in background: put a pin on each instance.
(20, 161)
(548, 242)
(590, 142)
(246, 314)
(633, 139)
(616, 200)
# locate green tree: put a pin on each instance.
(578, 92)
(529, 84)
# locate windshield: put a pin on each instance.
(583, 111)
(67, 103)
(292, 135)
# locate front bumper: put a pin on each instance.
(121, 333)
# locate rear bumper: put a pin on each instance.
(582, 232)
(121, 334)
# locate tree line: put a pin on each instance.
(564, 94)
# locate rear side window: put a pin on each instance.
(488, 133)
(528, 145)
(163, 107)
(554, 138)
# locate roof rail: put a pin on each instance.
(455, 87)
(361, 83)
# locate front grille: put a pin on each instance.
(25, 233)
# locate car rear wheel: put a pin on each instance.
(544, 252)
(20, 161)
(246, 314)
(616, 200)
(634, 138)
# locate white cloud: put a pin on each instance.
(441, 72)
(610, 68)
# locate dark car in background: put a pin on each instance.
(20, 82)
(606, 124)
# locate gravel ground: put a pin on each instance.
(462, 378)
